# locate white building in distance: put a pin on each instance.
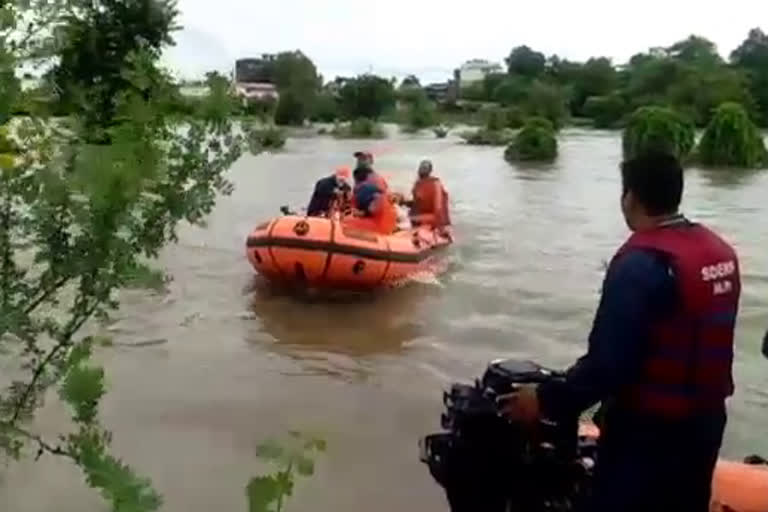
(475, 70)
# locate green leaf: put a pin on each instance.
(262, 492)
(82, 388)
(117, 482)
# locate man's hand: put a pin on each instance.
(521, 406)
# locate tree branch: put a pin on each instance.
(65, 341)
(42, 444)
(46, 293)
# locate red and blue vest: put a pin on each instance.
(687, 365)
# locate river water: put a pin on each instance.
(200, 375)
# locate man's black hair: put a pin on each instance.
(361, 173)
(656, 181)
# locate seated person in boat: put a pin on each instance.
(364, 166)
(429, 205)
(331, 193)
(373, 211)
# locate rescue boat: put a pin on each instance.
(317, 252)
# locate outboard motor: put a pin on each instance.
(487, 464)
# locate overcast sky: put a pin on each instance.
(429, 37)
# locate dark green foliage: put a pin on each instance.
(96, 40)
(84, 201)
(260, 139)
(361, 128)
(325, 109)
(420, 111)
(732, 139)
(526, 62)
(535, 142)
(486, 137)
(367, 96)
(752, 56)
(658, 129)
(605, 111)
(547, 100)
(290, 109)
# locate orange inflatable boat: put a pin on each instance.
(736, 486)
(316, 252)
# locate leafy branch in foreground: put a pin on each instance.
(293, 457)
(83, 202)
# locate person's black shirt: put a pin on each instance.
(325, 191)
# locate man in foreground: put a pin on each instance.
(660, 354)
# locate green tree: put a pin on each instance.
(420, 111)
(605, 111)
(290, 109)
(297, 82)
(658, 129)
(325, 109)
(79, 214)
(752, 56)
(95, 40)
(535, 142)
(732, 139)
(696, 50)
(526, 62)
(366, 96)
(547, 100)
(512, 90)
(596, 77)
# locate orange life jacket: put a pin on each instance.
(430, 203)
(383, 218)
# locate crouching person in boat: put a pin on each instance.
(332, 193)
(374, 210)
(660, 354)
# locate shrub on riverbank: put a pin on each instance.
(658, 129)
(420, 112)
(270, 137)
(362, 128)
(486, 137)
(732, 139)
(535, 142)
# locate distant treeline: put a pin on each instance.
(689, 76)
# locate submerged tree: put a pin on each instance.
(83, 201)
(658, 129)
(535, 142)
(732, 139)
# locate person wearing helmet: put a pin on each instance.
(330, 192)
(429, 205)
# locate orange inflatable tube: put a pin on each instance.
(736, 486)
(316, 252)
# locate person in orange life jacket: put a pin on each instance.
(331, 192)
(365, 167)
(429, 204)
(660, 354)
(374, 210)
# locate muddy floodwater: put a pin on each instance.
(199, 376)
